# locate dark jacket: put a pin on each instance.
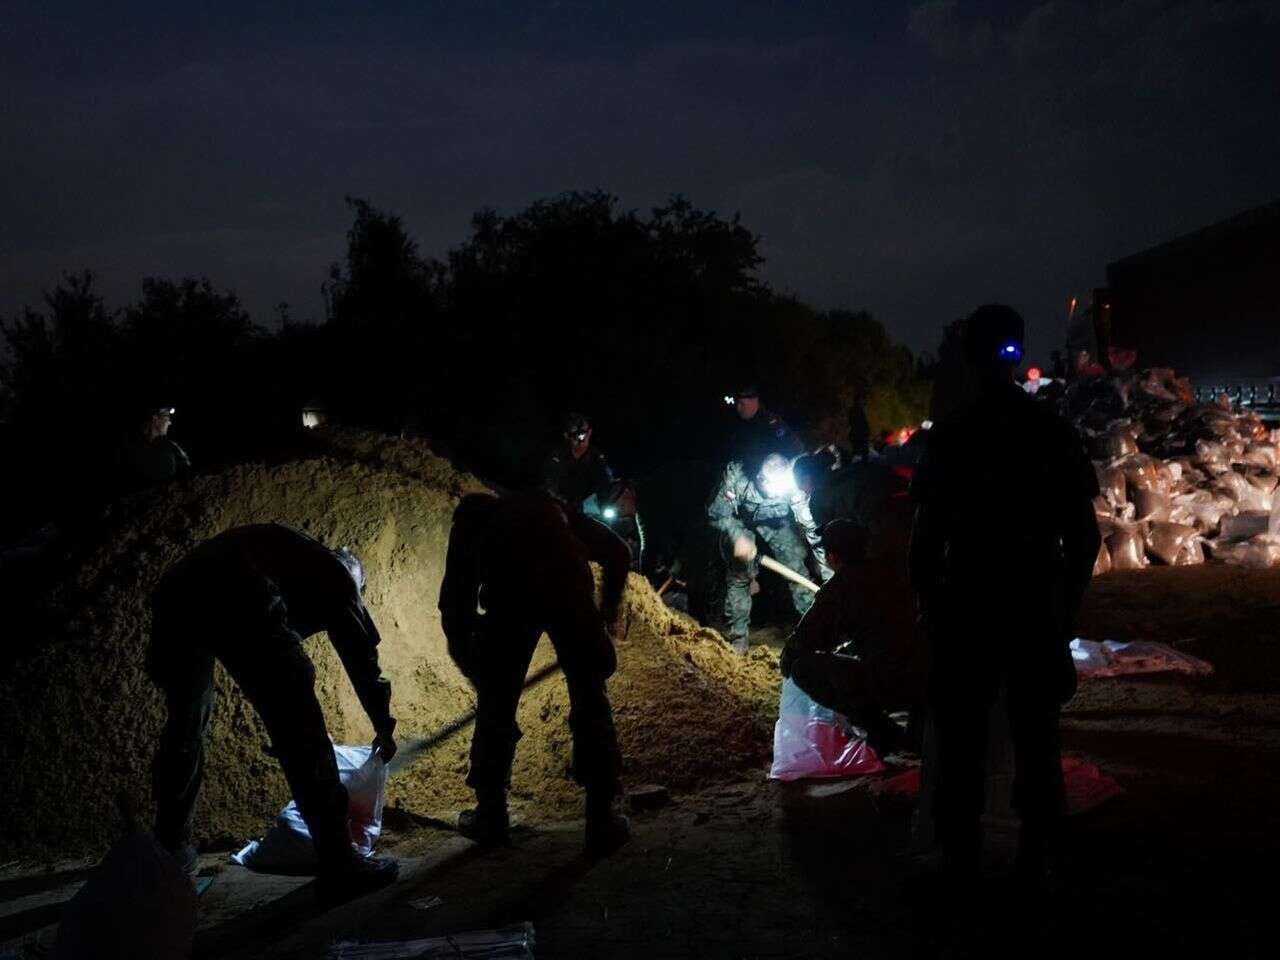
(239, 578)
(525, 556)
(1005, 536)
(752, 440)
(574, 480)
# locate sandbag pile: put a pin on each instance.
(1180, 481)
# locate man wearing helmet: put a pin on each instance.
(766, 504)
(247, 598)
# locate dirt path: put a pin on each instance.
(1179, 863)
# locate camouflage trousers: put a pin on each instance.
(787, 547)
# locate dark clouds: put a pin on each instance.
(914, 160)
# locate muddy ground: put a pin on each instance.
(1180, 864)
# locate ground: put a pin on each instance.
(761, 869)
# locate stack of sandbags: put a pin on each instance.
(1175, 475)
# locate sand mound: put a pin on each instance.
(81, 718)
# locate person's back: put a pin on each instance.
(1005, 479)
(232, 570)
(1002, 550)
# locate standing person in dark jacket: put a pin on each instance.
(758, 432)
(998, 591)
(247, 598)
(151, 457)
(576, 470)
(525, 560)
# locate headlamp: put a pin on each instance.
(579, 437)
(728, 400)
(610, 513)
(1011, 351)
(779, 483)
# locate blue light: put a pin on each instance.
(1011, 351)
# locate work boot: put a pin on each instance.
(488, 822)
(349, 876)
(606, 830)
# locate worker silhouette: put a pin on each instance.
(247, 598)
(525, 561)
(998, 590)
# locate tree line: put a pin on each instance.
(643, 321)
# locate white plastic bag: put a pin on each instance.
(811, 741)
(287, 846)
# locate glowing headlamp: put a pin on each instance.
(1011, 352)
(728, 400)
(779, 482)
(610, 513)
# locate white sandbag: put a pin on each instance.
(1244, 526)
(1260, 454)
(1191, 554)
(1260, 551)
(1102, 564)
(1151, 504)
(1128, 548)
(1166, 541)
(287, 846)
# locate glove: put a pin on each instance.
(744, 549)
(385, 745)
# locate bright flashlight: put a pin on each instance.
(728, 401)
(610, 513)
(779, 482)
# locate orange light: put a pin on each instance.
(1033, 373)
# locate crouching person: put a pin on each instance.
(247, 598)
(524, 560)
(840, 653)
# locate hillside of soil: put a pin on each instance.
(82, 719)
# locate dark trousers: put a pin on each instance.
(508, 638)
(278, 679)
(843, 684)
(962, 696)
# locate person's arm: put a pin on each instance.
(602, 475)
(722, 509)
(808, 526)
(552, 475)
(355, 638)
(612, 553)
(459, 597)
(821, 628)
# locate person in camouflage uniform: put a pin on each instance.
(768, 506)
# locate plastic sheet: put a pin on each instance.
(1191, 554)
(810, 741)
(1113, 658)
(287, 846)
(1087, 787)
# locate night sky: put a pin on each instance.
(911, 159)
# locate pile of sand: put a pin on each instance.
(81, 719)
